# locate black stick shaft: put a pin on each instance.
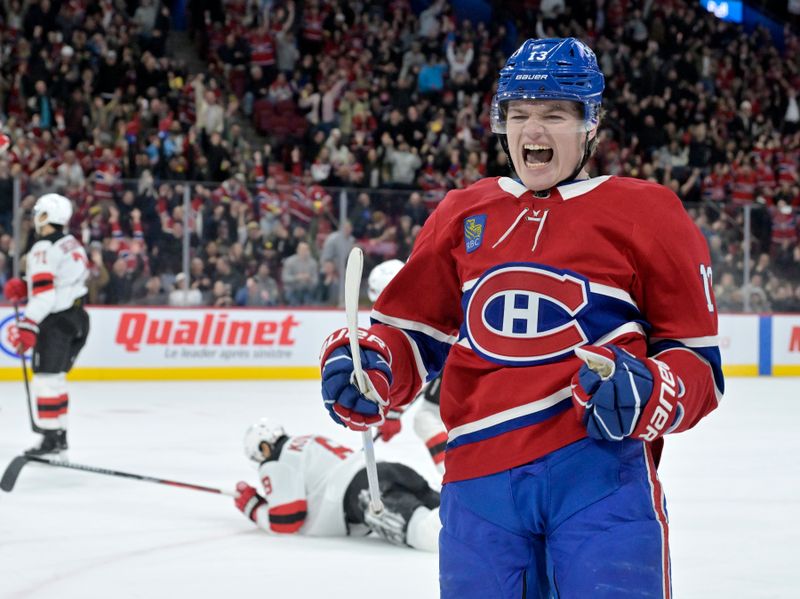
(141, 477)
(35, 427)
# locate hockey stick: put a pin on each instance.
(15, 466)
(35, 427)
(352, 286)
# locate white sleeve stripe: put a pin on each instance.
(614, 292)
(412, 325)
(510, 414)
(628, 327)
(421, 369)
(710, 341)
(717, 392)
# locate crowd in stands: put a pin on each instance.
(297, 101)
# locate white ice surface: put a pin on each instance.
(732, 488)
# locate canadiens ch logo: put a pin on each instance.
(521, 314)
(474, 226)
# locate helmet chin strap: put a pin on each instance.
(587, 152)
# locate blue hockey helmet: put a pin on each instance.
(550, 69)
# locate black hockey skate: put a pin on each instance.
(53, 442)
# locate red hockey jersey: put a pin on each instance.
(504, 285)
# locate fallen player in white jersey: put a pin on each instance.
(316, 487)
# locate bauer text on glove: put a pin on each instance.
(617, 395)
(345, 403)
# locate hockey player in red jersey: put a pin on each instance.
(55, 324)
(427, 422)
(579, 326)
(314, 486)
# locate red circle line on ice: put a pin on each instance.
(521, 314)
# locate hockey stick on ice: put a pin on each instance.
(35, 427)
(352, 286)
(15, 466)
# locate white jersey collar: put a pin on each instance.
(578, 188)
(509, 185)
(567, 190)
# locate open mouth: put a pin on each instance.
(536, 156)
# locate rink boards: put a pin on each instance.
(156, 343)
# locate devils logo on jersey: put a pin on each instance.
(523, 313)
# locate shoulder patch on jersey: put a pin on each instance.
(474, 227)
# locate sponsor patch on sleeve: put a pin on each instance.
(474, 227)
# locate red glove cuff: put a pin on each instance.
(366, 340)
(663, 409)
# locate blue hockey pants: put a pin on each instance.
(587, 521)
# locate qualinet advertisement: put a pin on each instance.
(184, 338)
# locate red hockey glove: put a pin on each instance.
(22, 335)
(15, 290)
(248, 500)
(345, 403)
(391, 426)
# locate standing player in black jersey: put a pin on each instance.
(55, 323)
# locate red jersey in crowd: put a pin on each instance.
(312, 25)
(129, 249)
(107, 181)
(230, 191)
(787, 166)
(744, 185)
(716, 185)
(765, 178)
(784, 224)
(262, 48)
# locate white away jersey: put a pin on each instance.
(305, 487)
(56, 269)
